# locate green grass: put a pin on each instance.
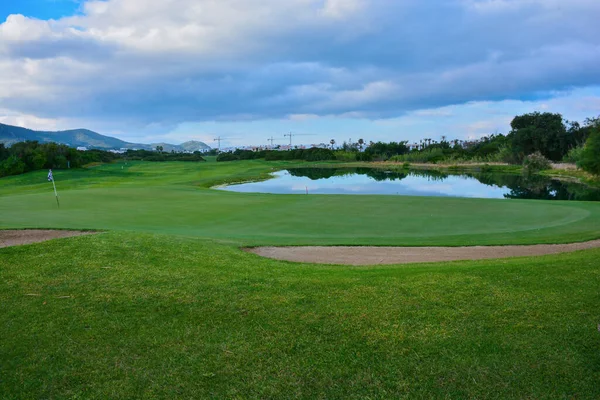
(155, 316)
(175, 198)
(165, 305)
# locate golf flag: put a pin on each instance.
(51, 178)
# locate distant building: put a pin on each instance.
(82, 148)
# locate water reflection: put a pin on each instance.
(419, 183)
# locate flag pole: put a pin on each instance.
(51, 177)
(55, 194)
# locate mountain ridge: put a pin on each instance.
(10, 134)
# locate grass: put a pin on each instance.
(155, 316)
(577, 175)
(165, 305)
(175, 198)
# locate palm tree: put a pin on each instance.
(332, 141)
(361, 143)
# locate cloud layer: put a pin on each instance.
(174, 61)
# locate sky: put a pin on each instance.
(248, 70)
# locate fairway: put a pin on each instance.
(164, 304)
(177, 199)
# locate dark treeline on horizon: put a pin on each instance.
(546, 135)
(28, 156)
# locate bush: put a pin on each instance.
(505, 154)
(590, 156)
(364, 157)
(312, 154)
(345, 156)
(424, 156)
(227, 157)
(12, 166)
(317, 154)
(536, 162)
(574, 155)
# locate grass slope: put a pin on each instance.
(165, 305)
(154, 316)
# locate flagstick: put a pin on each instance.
(55, 193)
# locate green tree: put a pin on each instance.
(590, 157)
(4, 152)
(13, 165)
(543, 132)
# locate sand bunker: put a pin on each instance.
(406, 255)
(26, 236)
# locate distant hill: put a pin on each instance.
(85, 138)
(192, 145)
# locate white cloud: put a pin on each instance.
(31, 121)
(302, 117)
(147, 67)
(342, 8)
(369, 93)
(206, 27)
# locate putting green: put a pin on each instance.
(173, 198)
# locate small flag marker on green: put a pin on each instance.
(51, 178)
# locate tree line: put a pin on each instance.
(534, 139)
(28, 156)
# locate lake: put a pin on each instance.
(362, 181)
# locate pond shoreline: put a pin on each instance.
(420, 180)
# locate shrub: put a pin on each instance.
(424, 156)
(12, 166)
(227, 157)
(316, 154)
(364, 157)
(345, 156)
(590, 156)
(505, 154)
(536, 162)
(312, 154)
(574, 155)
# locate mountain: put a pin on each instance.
(192, 146)
(85, 138)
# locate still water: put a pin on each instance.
(417, 183)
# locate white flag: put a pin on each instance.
(50, 177)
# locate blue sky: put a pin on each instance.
(41, 9)
(177, 70)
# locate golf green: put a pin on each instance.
(176, 199)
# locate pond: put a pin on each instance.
(417, 183)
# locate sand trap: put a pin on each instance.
(26, 236)
(406, 255)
